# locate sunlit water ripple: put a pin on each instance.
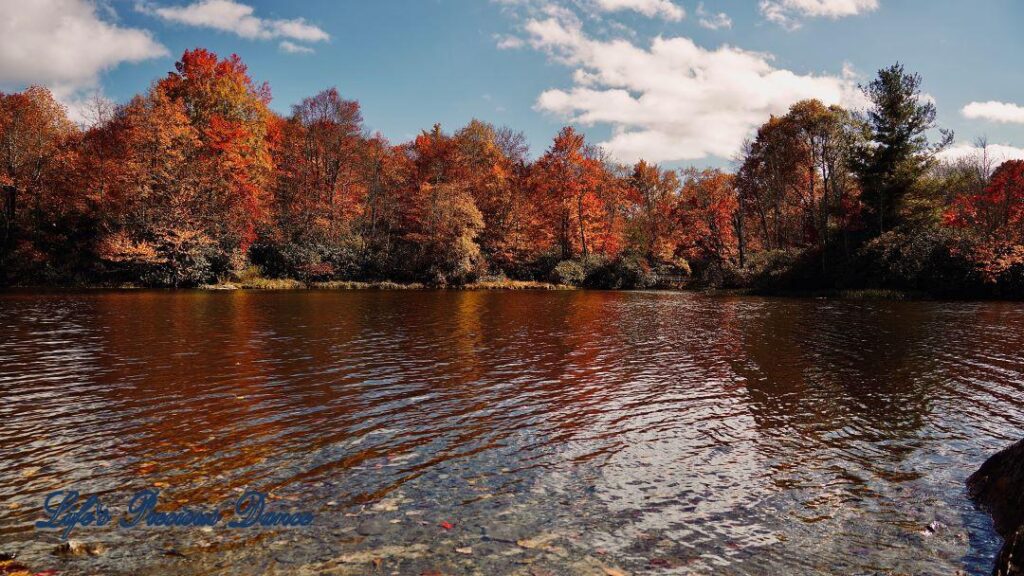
(663, 433)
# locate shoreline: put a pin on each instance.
(292, 285)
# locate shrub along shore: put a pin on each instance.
(197, 182)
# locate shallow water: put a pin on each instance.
(661, 433)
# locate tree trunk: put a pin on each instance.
(10, 194)
(583, 232)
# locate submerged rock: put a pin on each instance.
(372, 527)
(998, 489)
(79, 548)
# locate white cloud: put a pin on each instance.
(713, 21)
(788, 12)
(995, 111)
(64, 44)
(674, 100)
(237, 18)
(508, 42)
(665, 9)
(293, 48)
(998, 153)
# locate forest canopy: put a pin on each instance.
(197, 181)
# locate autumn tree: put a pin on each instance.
(651, 194)
(386, 171)
(705, 212)
(34, 129)
(181, 176)
(320, 192)
(496, 177)
(997, 213)
(795, 184)
(829, 137)
(440, 219)
(237, 134)
(139, 170)
(770, 181)
(573, 192)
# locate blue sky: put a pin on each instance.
(638, 76)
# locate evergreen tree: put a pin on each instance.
(898, 153)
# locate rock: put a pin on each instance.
(79, 548)
(505, 533)
(933, 528)
(541, 541)
(172, 553)
(998, 489)
(372, 527)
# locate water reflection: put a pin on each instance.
(671, 432)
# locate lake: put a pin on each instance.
(462, 432)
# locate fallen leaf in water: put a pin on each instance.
(446, 525)
(609, 571)
(30, 471)
(160, 484)
(467, 550)
(13, 506)
(10, 565)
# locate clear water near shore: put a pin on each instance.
(556, 432)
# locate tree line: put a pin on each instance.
(197, 180)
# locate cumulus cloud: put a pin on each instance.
(236, 18)
(789, 12)
(994, 111)
(293, 48)
(65, 44)
(998, 153)
(664, 9)
(508, 42)
(672, 100)
(712, 21)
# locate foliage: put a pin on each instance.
(624, 272)
(899, 153)
(198, 180)
(569, 273)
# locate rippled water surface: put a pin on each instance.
(552, 433)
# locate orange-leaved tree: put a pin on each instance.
(238, 134)
(576, 198)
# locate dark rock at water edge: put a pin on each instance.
(998, 488)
